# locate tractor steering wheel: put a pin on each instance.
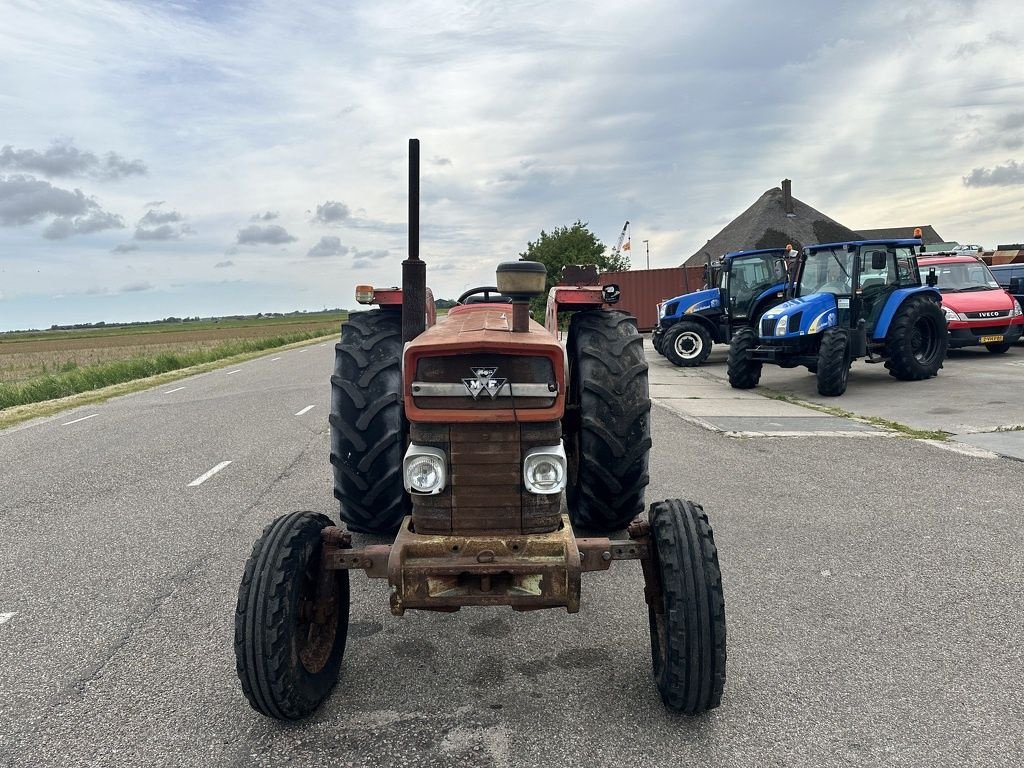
(486, 290)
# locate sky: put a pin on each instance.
(208, 158)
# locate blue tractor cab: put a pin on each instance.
(739, 289)
(848, 300)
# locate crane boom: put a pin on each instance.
(622, 236)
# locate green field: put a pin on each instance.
(36, 366)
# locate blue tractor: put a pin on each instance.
(850, 300)
(745, 284)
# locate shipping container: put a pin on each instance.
(643, 289)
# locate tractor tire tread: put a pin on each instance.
(607, 357)
(368, 423)
(692, 678)
(272, 679)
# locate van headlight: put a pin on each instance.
(424, 469)
(544, 469)
(953, 316)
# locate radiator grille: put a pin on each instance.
(485, 493)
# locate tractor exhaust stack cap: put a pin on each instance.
(521, 281)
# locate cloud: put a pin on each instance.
(125, 248)
(366, 259)
(160, 217)
(328, 246)
(65, 159)
(24, 199)
(163, 232)
(331, 212)
(224, 264)
(1011, 121)
(272, 234)
(142, 285)
(268, 216)
(154, 204)
(161, 225)
(438, 160)
(94, 221)
(998, 176)
(96, 291)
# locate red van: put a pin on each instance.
(978, 311)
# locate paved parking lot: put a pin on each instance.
(976, 399)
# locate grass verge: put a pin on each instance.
(877, 421)
(15, 414)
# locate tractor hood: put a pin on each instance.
(802, 316)
(471, 367)
(688, 303)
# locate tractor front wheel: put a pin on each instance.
(608, 439)
(368, 426)
(291, 621)
(744, 373)
(656, 339)
(687, 344)
(833, 362)
(917, 340)
(688, 617)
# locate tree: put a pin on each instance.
(565, 246)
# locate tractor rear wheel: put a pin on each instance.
(688, 620)
(687, 344)
(291, 622)
(833, 362)
(744, 373)
(608, 433)
(368, 427)
(917, 340)
(998, 349)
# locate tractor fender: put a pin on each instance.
(893, 304)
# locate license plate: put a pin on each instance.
(990, 339)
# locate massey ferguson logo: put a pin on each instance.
(484, 382)
(988, 314)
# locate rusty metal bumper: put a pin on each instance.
(444, 572)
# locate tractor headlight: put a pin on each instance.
(424, 469)
(782, 327)
(544, 469)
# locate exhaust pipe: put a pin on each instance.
(414, 271)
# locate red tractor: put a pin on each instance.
(493, 454)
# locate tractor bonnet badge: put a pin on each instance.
(484, 382)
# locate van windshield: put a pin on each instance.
(960, 278)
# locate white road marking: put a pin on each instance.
(307, 409)
(274, 358)
(75, 421)
(304, 349)
(234, 371)
(5, 617)
(172, 391)
(207, 475)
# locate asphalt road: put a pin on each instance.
(873, 594)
